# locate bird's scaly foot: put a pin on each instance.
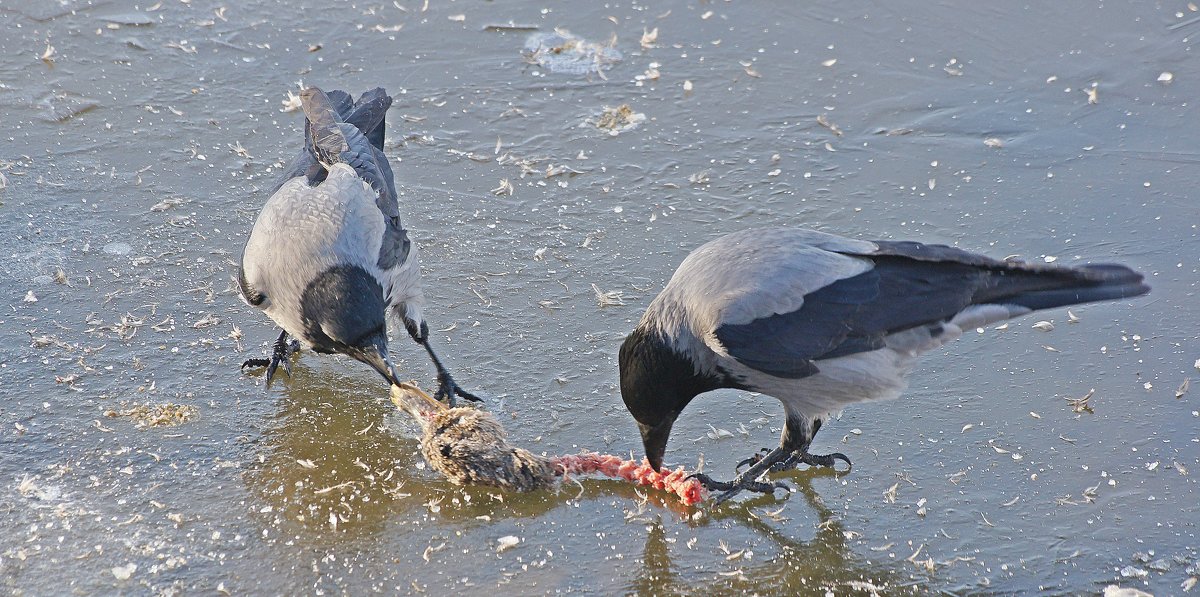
(751, 485)
(825, 460)
(281, 352)
(753, 459)
(749, 478)
(797, 458)
(448, 390)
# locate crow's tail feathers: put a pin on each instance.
(325, 143)
(367, 115)
(326, 137)
(357, 142)
(1043, 287)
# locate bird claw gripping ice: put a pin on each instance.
(281, 354)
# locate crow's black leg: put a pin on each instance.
(281, 352)
(797, 436)
(447, 389)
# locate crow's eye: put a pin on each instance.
(255, 298)
(250, 294)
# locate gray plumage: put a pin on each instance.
(328, 259)
(820, 322)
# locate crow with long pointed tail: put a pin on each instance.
(820, 322)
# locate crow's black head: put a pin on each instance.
(656, 384)
(343, 311)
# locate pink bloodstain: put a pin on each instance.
(690, 491)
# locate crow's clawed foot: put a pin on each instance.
(753, 460)
(765, 461)
(281, 353)
(748, 484)
(825, 460)
(448, 390)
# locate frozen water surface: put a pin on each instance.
(138, 140)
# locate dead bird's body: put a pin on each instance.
(470, 447)
(820, 322)
(328, 259)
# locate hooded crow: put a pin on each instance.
(328, 259)
(819, 322)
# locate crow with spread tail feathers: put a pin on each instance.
(328, 259)
(820, 322)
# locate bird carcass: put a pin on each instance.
(469, 447)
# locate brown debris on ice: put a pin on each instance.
(156, 415)
(616, 120)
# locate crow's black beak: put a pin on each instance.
(654, 440)
(376, 357)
